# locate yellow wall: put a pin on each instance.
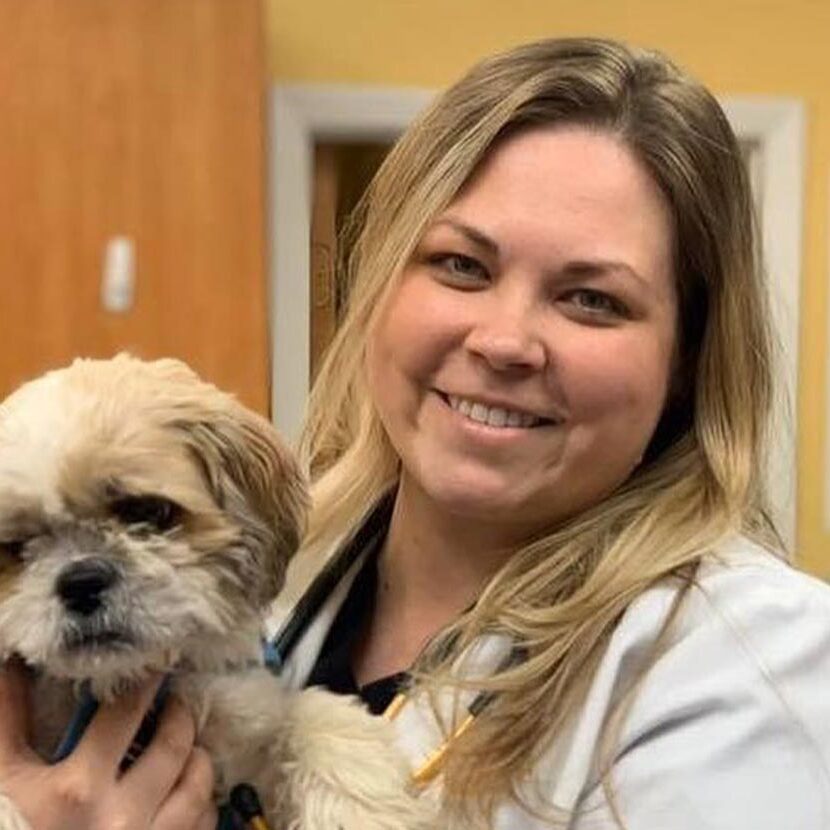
(734, 46)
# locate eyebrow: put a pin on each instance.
(580, 267)
(597, 267)
(473, 234)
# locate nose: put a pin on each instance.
(507, 337)
(82, 584)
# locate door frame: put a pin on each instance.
(303, 114)
(300, 117)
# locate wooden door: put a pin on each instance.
(323, 259)
(342, 172)
(142, 119)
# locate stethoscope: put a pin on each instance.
(369, 536)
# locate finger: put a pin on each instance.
(160, 766)
(190, 803)
(110, 733)
(209, 820)
(14, 711)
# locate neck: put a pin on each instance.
(436, 559)
(432, 567)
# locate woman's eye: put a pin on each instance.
(156, 512)
(596, 303)
(460, 267)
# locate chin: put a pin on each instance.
(481, 495)
(146, 523)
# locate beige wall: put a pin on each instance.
(734, 46)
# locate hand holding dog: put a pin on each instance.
(168, 788)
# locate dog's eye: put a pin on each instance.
(155, 511)
(13, 547)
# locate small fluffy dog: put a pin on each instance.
(146, 521)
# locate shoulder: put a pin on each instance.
(726, 721)
(741, 579)
(745, 604)
(757, 623)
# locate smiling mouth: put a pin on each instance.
(494, 416)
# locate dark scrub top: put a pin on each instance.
(333, 668)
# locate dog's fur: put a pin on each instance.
(187, 579)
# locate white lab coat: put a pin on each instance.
(730, 729)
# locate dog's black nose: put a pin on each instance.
(81, 585)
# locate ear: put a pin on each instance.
(255, 479)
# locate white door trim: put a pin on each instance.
(776, 127)
(302, 115)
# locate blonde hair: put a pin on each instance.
(561, 596)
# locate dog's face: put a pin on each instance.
(145, 517)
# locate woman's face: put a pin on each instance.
(521, 364)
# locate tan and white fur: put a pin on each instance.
(146, 521)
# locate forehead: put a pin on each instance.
(574, 186)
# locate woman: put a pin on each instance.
(537, 445)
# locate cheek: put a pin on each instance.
(624, 379)
(412, 337)
(383, 374)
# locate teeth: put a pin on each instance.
(494, 416)
(479, 413)
(497, 417)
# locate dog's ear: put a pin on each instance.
(256, 479)
(250, 472)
